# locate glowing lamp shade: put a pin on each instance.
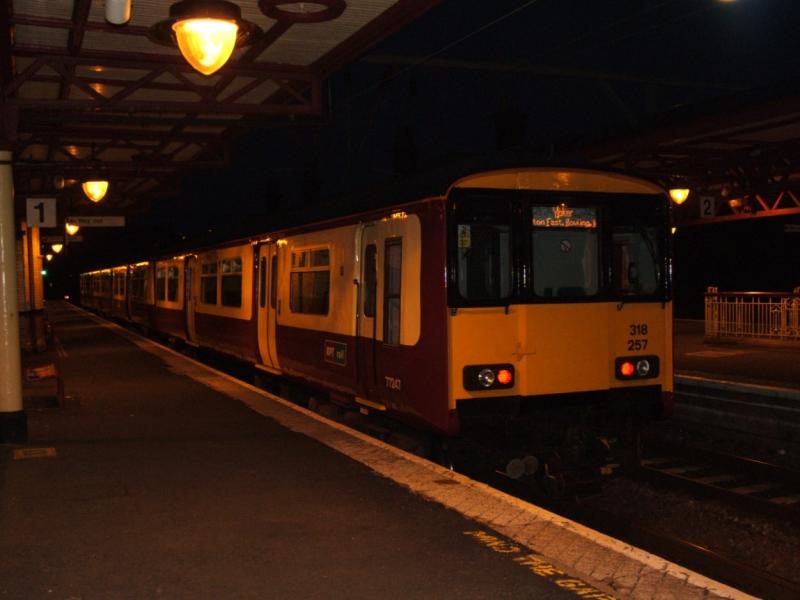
(679, 195)
(72, 228)
(206, 44)
(205, 31)
(95, 190)
(57, 248)
(49, 257)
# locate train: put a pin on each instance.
(523, 316)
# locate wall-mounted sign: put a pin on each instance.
(708, 207)
(564, 216)
(40, 212)
(98, 221)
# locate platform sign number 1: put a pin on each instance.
(41, 212)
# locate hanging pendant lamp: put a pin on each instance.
(205, 31)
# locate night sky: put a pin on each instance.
(480, 83)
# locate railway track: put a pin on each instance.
(738, 574)
(752, 485)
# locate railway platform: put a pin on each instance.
(764, 368)
(159, 477)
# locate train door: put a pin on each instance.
(128, 292)
(366, 342)
(388, 315)
(267, 305)
(190, 297)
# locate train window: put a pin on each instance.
(137, 284)
(484, 261)
(172, 284)
(273, 282)
(161, 283)
(635, 262)
(392, 274)
(262, 282)
(118, 284)
(208, 283)
(370, 280)
(231, 288)
(309, 282)
(566, 251)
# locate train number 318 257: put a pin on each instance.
(635, 342)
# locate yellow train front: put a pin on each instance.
(560, 317)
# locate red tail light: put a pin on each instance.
(627, 369)
(504, 376)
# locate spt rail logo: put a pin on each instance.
(336, 353)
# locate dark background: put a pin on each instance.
(479, 84)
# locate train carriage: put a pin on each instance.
(527, 311)
(220, 302)
(119, 301)
(168, 314)
(141, 296)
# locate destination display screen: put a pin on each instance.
(562, 216)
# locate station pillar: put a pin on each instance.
(13, 422)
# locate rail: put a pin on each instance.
(755, 315)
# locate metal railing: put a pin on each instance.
(758, 315)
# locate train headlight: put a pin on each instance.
(488, 377)
(643, 367)
(636, 367)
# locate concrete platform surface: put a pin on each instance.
(161, 478)
(741, 362)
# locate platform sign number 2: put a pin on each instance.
(41, 212)
(708, 207)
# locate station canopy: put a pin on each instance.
(83, 98)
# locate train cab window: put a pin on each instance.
(231, 287)
(566, 251)
(173, 275)
(370, 280)
(635, 267)
(309, 282)
(161, 283)
(208, 283)
(484, 261)
(391, 291)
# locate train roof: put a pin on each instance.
(541, 177)
(559, 179)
